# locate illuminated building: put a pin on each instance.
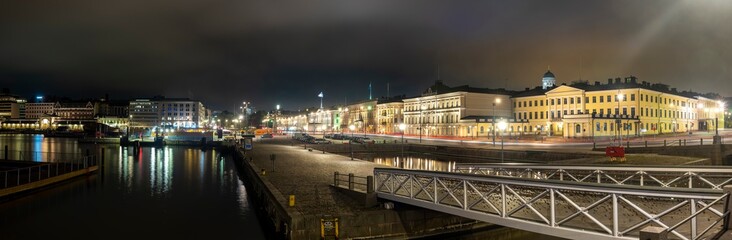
(455, 111)
(620, 108)
(11, 106)
(166, 113)
(389, 114)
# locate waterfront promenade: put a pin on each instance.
(308, 175)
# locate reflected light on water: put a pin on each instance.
(415, 163)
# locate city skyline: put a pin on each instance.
(228, 52)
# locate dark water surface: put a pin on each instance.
(157, 193)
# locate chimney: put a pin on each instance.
(673, 89)
(633, 80)
(617, 80)
(609, 81)
(527, 89)
(597, 83)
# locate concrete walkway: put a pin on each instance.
(307, 175)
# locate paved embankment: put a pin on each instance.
(308, 176)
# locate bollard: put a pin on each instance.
(350, 181)
(627, 144)
(679, 142)
(646, 143)
(684, 142)
(701, 142)
(664, 142)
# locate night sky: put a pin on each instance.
(224, 52)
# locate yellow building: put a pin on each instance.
(389, 114)
(362, 115)
(455, 111)
(618, 109)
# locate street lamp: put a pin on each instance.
(502, 126)
(275, 117)
(402, 126)
(350, 142)
(493, 129)
(421, 121)
(619, 122)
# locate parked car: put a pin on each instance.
(327, 136)
(267, 135)
(363, 140)
(321, 141)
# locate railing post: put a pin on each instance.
(335, 179)
(646, 143)
(350, 181)
(728, 206)
(664, 142)
(615, 215)
(684, 142)
(552, 209)
(679, 142)
(701, 142)
(369, 184)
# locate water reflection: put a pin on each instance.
(165, 193)
(414, 163)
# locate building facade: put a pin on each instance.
(166, 113)
(38, 110)
(74, 110)
(389, 114)
(11, 106)
(455, 112)
(620, 108)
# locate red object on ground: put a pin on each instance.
(615, 151)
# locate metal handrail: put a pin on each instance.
(694, 177)
(69, 166)
(496, 199)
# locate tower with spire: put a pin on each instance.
(548, 80)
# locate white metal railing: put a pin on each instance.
(681, 177)
(560, 208)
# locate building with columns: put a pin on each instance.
(620, 108)
(455, 111)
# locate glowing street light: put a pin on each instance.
(497, 101)
(502, 125)
(402, 126)
(620, 97)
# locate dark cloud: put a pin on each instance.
(225, 51)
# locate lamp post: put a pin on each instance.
(502, 126)
(421, 121)
(350, 142)
(402, 126)
(493, 129)
(275, 117)
(619, 122)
